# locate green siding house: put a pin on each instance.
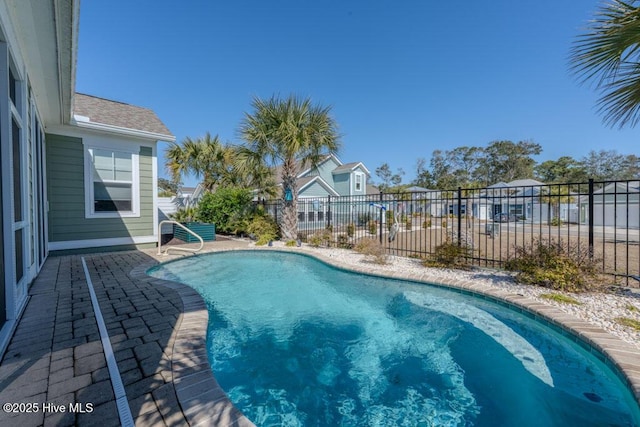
(101, 176)
(77, 172)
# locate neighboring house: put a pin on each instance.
(525, 198)
(77, 171)
(420, 201)
(188, 197)
(331, 178)
(616, 204)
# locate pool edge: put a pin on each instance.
(622, 357)
(202, 400)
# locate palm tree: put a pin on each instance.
(608, 53)
(204, 157)
(290, 133)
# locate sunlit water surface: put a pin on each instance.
(296, 342)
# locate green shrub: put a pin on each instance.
(372, 250)
(343, 242)
(351, 229)
(556, 222)
(228, 208)
(426, 224)
(262, 241)
(320, 238)
(373, 227)
(408, 223)
(185, 215)
(329, 228)
(364, 218)
(560, 298)
(444, 223)
(291, 243)
(632, 323)
(449, 255)
(552, 264)
(263, 228)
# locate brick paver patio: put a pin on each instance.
(56, 355)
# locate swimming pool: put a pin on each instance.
(294, 341)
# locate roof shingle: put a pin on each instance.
(119, 114)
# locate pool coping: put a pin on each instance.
(199, 393)
(202, 400)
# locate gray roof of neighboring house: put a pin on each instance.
(524, 182)
(118, 114)
(415, 189)
(500, 184)
(348, 167)
(372, 189)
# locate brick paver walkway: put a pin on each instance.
(56, 356)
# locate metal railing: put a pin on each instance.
(176, 248)
(598, 220)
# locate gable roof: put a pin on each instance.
(524, 182)
(104, 114)
(306, 181)
(500, 184)
(349, 167)
(620, 188)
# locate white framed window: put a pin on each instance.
(111, 183)
(359, 178)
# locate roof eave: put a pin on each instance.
(123, 131)
(322, 183)
(67, 15)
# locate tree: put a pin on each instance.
(609, 165)
(553, 196)
(464, 162)
(507, 161)
(441, 171)
(204, 157)
(388, 178)
(423, 176)
(291, 133)
(608, 54)
(171, 187)
(562, 171)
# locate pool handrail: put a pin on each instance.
(166, 252)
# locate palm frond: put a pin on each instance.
(608, 55)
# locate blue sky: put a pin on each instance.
(403, 78)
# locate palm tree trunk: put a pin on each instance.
(289, 226)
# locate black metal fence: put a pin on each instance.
(600, 220)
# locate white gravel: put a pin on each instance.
(599, 308)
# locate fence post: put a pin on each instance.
(328, 211)
(460, 216)
(591, 218)
(382, 211)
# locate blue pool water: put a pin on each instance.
(296, 342)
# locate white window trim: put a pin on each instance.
(355, 181)
(89, 212)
